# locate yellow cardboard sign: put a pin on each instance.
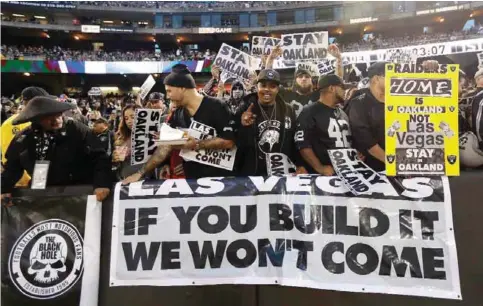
(421, 120)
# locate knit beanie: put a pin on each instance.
(180, 76)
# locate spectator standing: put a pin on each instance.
(366, 119)
(68, 149)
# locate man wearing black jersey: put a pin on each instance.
(302, 92)
(366, 119)
(267, 125)
(193, 109)
(323, 126)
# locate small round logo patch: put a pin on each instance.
(47, 260)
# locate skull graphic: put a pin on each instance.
(269, 136)
(47, 258)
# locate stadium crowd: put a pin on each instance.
(301, 125)
(58, 53)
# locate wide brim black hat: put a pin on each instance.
(40, 107)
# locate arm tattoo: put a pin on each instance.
(161, 153)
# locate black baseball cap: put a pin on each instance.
(378, 68)
(269, 75)
(331, 80)
(301, 71)
(31, 92)
(156, 96)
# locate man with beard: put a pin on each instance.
(366, 119)
(267, 126)
(302, 92)
(193, 111)
(323, 126)
(65, 149)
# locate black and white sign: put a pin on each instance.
(262, 45)
(224, 159)
(304, 231)
(421, 87)
(147, 86)
(358, 177)
(310, 66)
(236, 62)
(51, 250)
(279, 164)
(46, 4)
(419, 51)
(305, 46)
(55, 251)
(143, 138)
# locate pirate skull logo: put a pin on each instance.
(452, 68)
(390, 108)
(390, 158)
(451, 108)
(271, 137)
(47, 258)
(451, 159)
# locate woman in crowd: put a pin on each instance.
(121, 157)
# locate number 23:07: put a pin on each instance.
(434, 50)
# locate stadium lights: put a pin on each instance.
(135, 88)
(471, 15)
(76, 37)
(441, 19)
(26, 74)
(18, 15)
(108, 21)
(39, 17)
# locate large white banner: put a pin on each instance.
(305, 46)
(236, 62)
(302, 231)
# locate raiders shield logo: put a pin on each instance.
(47, 260)
(390, 108)
(389, 67)
(451, 159)
(451, 108)
(390, 158)
(452, 68)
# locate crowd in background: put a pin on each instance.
(61, 54)
(58, 53)
(190, 4)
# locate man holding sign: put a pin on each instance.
(207, 121)
(302, 92)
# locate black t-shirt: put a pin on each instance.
(322, 128)
(366, 118)
(298, 101)
(217, 121)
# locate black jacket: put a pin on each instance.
(76, 157)
(477, 117)
(246, 139)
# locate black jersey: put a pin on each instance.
(322, 128)
(298, 101)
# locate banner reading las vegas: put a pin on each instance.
(421, 120)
